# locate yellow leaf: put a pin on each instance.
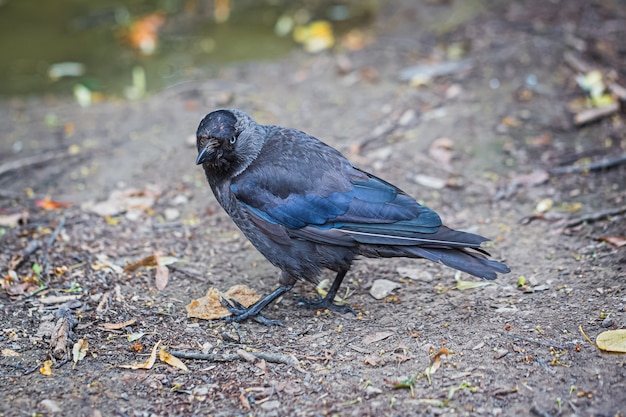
(468, 285)
(612, 341)
(46, 369)
(316, 36)
(73, 149)
(9, 352)
(172, 360)
(148, 364)
(112, 221)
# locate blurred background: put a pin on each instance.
(102, 48)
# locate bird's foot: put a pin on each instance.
(239, 312)
(322, 303)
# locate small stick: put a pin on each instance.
(538, 342)
(594, 166)
(539, 413)
(273, 357)
(35, 160)
(576, 63)
(50, 242)
(55, 234)
(589, 115)
(599, 215)
(188, 273)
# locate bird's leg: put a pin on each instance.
(240, 312)
(327, 302)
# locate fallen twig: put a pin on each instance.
(603, 163)
(617, 89)
(31, 161)
(273, 357)
(55, 234)
(188, 273)
(537, 342)
(49, 243)
(589, 115)
(381, 131)
(539, 413)
(576, 63)
(598, 215)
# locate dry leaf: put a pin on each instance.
(243, 397)
(171, 360)
(144, 33)
(615, 241)
(376, 337)
(79, 351)
(11, 220)
(148, 364)
(161, 277)
(117, 326)
(381, 288)
(468, 285)
(48, 204)
(374, 360)
(435, 362)
(210, 306)
(135, 336)
(441, 150)
(46, 369)
(9, 353)
(151, 261)
(148, 261)
(105, 262)
(612, 341)
(131, 201)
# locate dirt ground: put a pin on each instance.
(485, 145)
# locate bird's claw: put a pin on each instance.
(239, 313)
(322, 303)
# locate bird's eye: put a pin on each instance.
(233, 140)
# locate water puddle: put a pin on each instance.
(128, 49)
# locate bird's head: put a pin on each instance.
(228, 140)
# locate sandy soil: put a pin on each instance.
(511, 350)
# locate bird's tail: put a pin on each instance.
(465, 260)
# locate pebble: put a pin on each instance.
(371, 391)
(382, 288)
(171, 214)
(500, 353)
(180, 200)
(607, 322)
(270, 405)
(51, 406)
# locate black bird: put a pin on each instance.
(305, 207)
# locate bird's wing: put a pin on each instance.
(314, 193)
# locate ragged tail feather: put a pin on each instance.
(473, 263)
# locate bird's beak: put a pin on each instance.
(203, 155)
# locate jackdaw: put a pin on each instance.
(305, 207)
